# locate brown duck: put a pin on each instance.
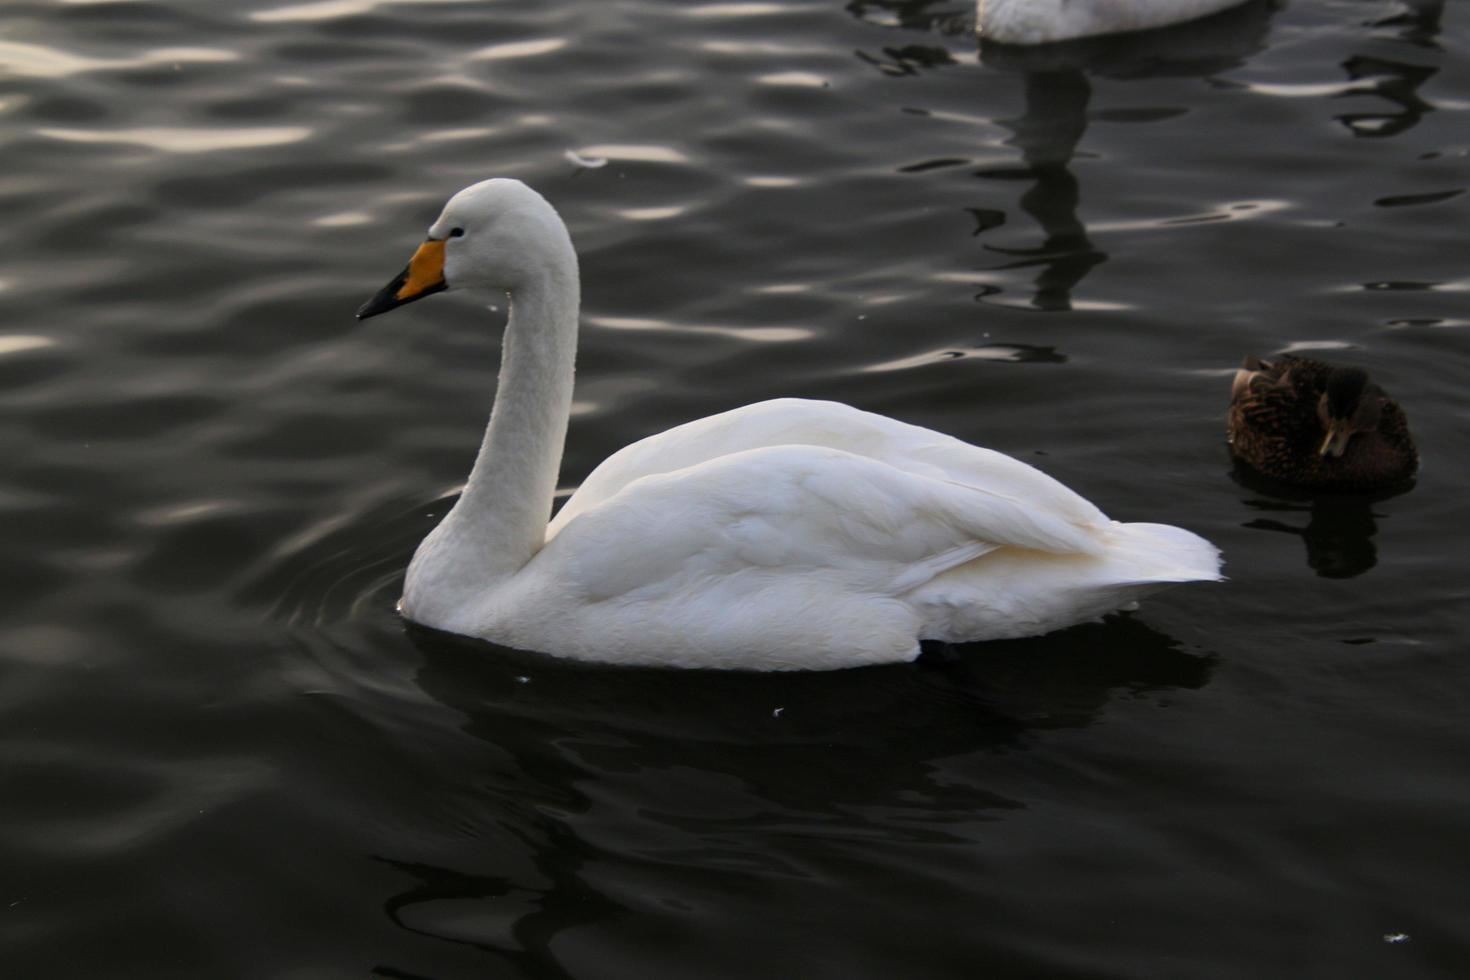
(1317, 426)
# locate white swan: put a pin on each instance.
(1045, 21)
(782, 535)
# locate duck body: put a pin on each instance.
(1048, 21)
(787, 534)
(1280, 419)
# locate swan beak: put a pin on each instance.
(1339, 431)
(423, 277)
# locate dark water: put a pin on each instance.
(224, 755)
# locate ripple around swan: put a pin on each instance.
(225, 754)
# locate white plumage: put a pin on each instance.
(1045, 21)
(786, 534)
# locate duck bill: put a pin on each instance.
(423, 277)
(1338, 434)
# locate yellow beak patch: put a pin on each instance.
(425, 270)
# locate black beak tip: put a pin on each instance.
(385, 299)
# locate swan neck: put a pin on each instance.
(507, 500)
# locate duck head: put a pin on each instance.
(1349, 406)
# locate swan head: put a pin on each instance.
(497, 234)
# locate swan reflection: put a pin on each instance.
(566, 794)
(1054, 120)
(1395, 80)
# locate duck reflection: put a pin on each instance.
(593, 787)
(1054, 120)
(1339, 529)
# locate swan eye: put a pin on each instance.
(456, 233)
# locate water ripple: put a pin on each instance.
(181, 140)
(39, 61)
(19, 343)
(519, 49)
(329, 10)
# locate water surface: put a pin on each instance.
(225, 756)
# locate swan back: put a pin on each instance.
(830, 425)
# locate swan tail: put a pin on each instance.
(1011, 593)
(1161, 553)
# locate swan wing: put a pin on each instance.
(850, 521)
(911, 449)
